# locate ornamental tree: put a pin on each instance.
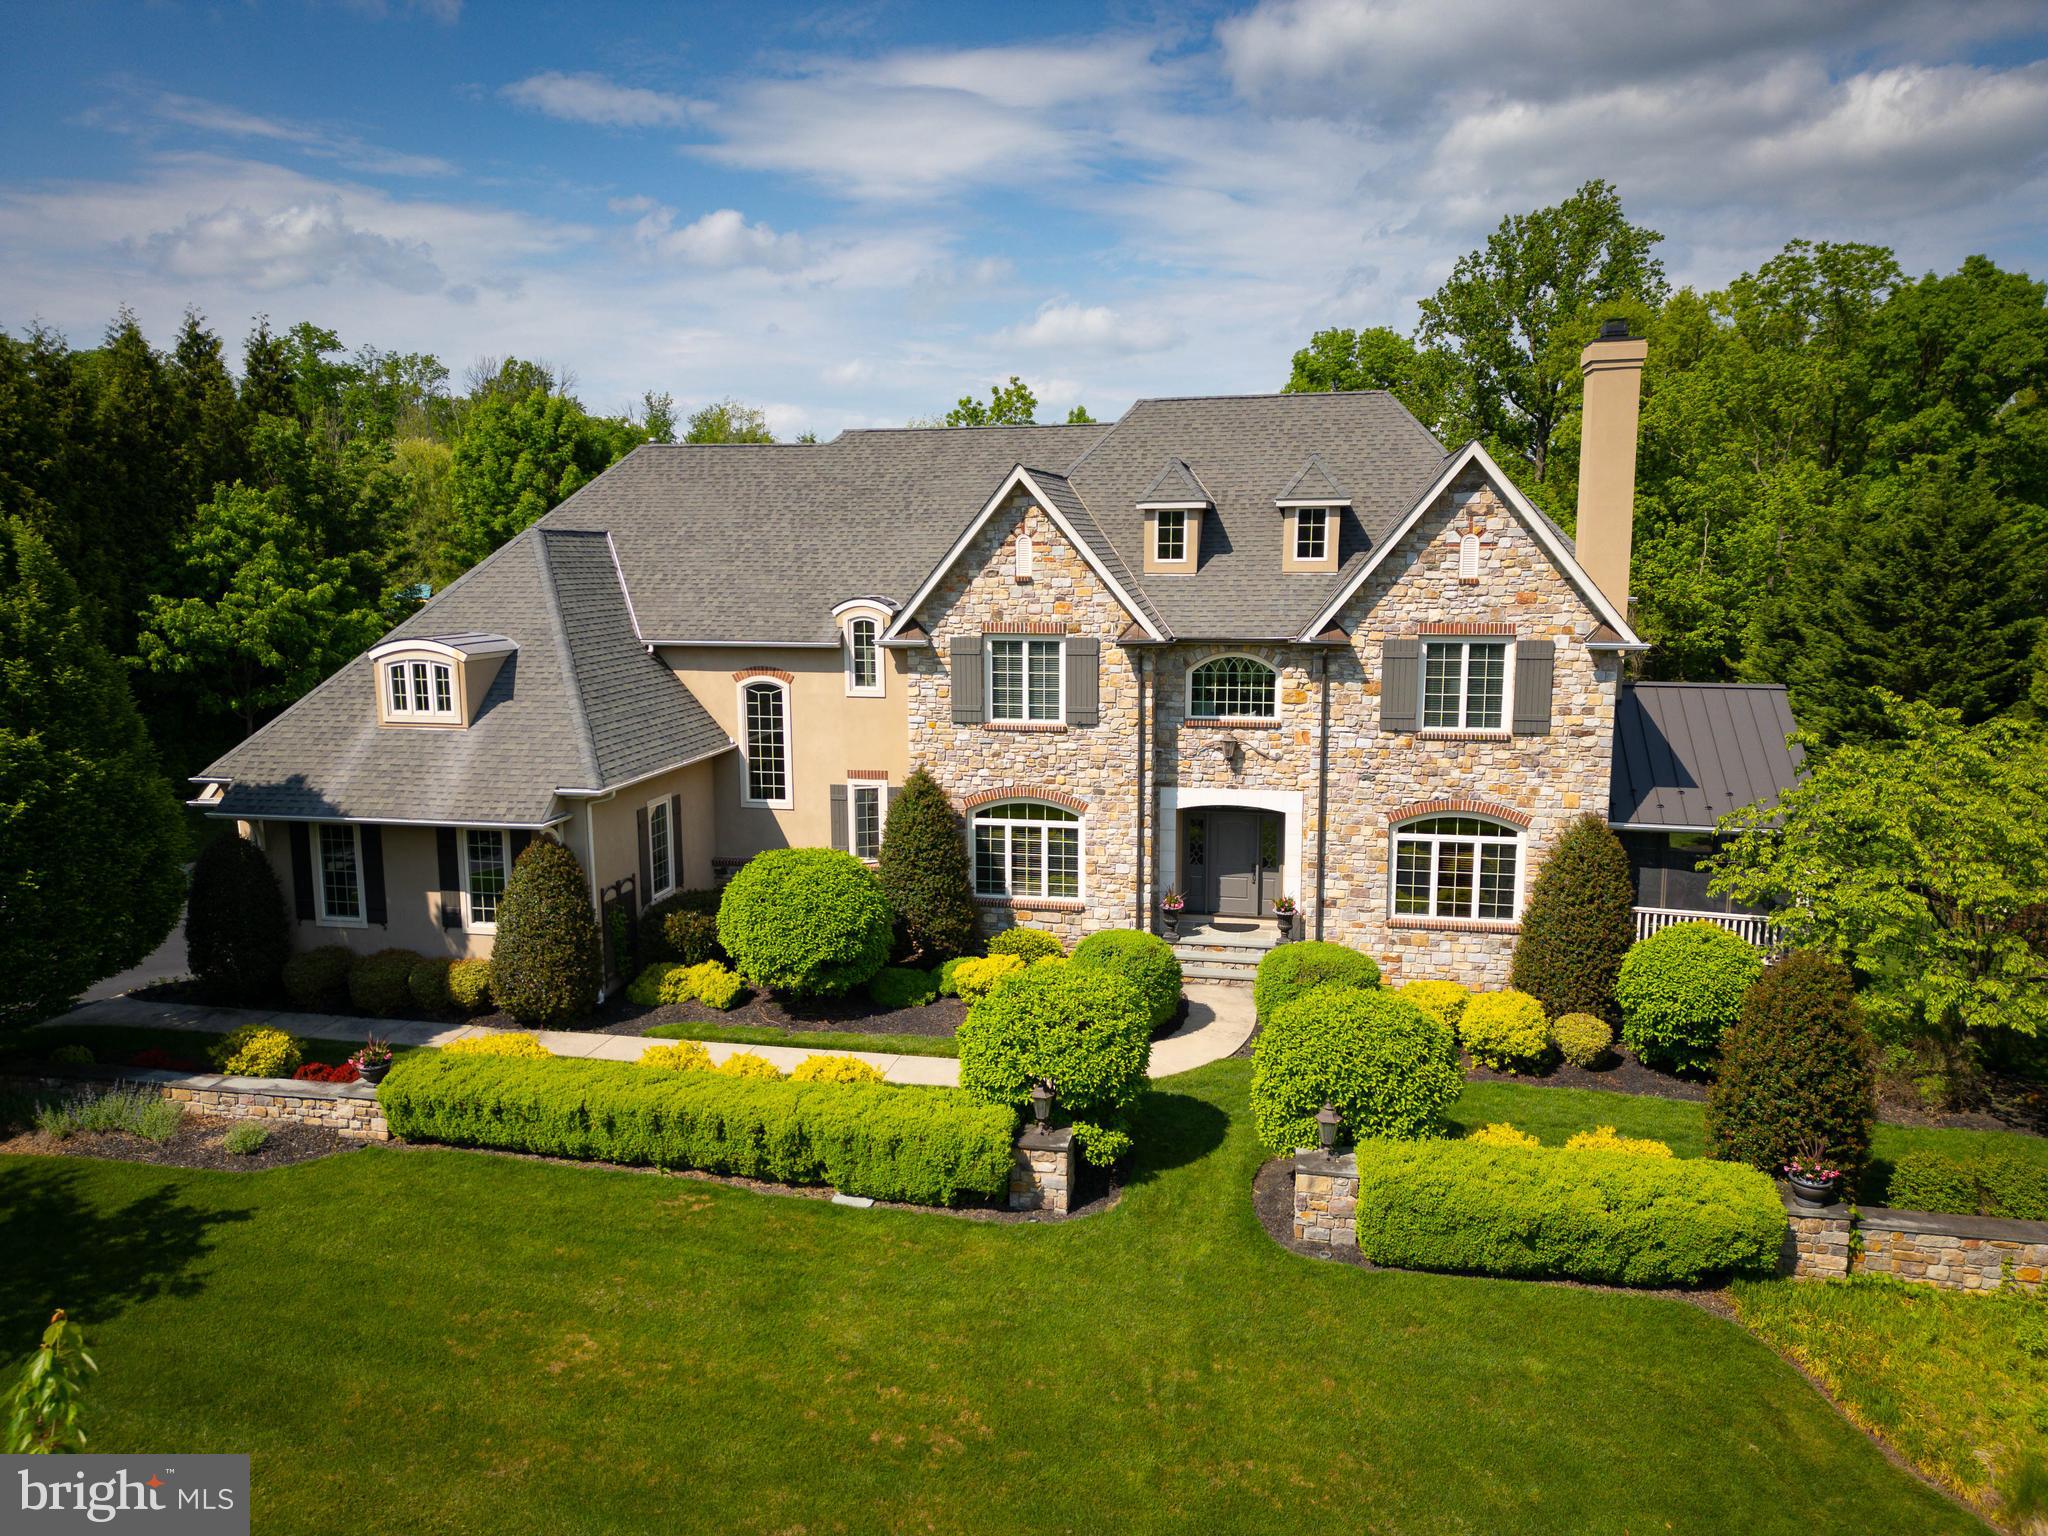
(237, 934)
(1578, 925)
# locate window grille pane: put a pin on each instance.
(1440, 677)
(1497, 880)
(1063, 861)
(1232, 688)
(1411, 877)
(1485, 687)
(767, 760)
(1006, 680)
(399, 702)
(658, 846)
(1045, 680)
(1027, 861)
(486, 874)
(866, 660)
(1311, 532)
(444, 694)
(867, 820)
(1173, 534)
(988, 860)
(341, 891)
(1454, 879)
(421, 699)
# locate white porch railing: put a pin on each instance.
(1759, 930)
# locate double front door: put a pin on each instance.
(1232, 861)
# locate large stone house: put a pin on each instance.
(1241, 647)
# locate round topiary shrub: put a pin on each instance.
(1027, 944)
(1388, 1067)
(1084, 1030)
(1581, 1039)
(1578, 924)
(898, 986)
(1679, 989)
(428, 983)
(1798, 1064)
(750, 1064)
(1145, 960)
(237, 936)
(922, 867)
(974, 979)
(256, 1050)
(654, 940)
(381, 984)
(683, 1056)
(1504, 1030)
(806, 921)
(1443, 1001)
(1293, 969)
(469, 985)
(546, 964)
(316, 980)
(692, 937)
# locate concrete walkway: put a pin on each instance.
(1219, 1021)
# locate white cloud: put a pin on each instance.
(306, 243)
(168, 110)
(591, 98)
(1093, 328)
(724, 239)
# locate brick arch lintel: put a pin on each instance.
(1025, 792)
(1486, 808)
(775, 672)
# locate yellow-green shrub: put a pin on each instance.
(257, 1050)
(714, 985)
(748, 1064)
(1443, 1001)
(1027, 944)
(1504, 1030)
(1501, 1134)
(503, 1043)
(1604, 1138)
(683, 1056)
(469, 985)
(1581, 1038)
(975, 979)
(834, 1069)
(647, 988)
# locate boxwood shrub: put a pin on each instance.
(807, 921)
(1443, 1001)
(381, 984)
(469, 985)
(1027, 944)
(1388, 1067)
(1990, 1185)
(659, 936)
(316, 980)
(427, 981)
(934, 1146)
(1680, 988)
(900, 986)
(1292, 969)
(1581, 1039)
(1504, 1030)
(1145, 960)
(1544, 1213)
(256, 1050)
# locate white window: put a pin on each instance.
(485, 864)
(1464, 685)
(1457, 867)
(1026, 680)
(420, 690)
(340, 884)
(863, 656)
(1311, 532)
(660, 849)
(764, 708)
(1171, 540)
(864, 818)
(1231, 688)
(1025, 848)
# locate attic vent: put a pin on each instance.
(1468, 557)
(1023, 569)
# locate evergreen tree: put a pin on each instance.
(138, 489)
(211, 440)
(923, 870)
(1579, 924)
(91, 841)
(237, 934)
(267, 385)
(546, 963)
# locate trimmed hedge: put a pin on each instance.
(381, 984)
(547, 965)
(427, 981)
(1388, 1067)
(1578, 924)
(1027, 944)
(1145, 960)
(1991, 1185)
(931, 1146)
(1544, 1213)
(807, 921)
(237, 934)
(834, 1069)
(316, 980)
(1680, 988)
(1290, 970)
(749, 1064)
(899, 986)
(1504, 1030)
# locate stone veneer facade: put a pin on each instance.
(1541, 782)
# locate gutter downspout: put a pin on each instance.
(1323, 795)
(1138, 868)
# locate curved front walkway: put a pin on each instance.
(1219, 1021)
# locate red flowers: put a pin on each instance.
(316, 1072)
(157, 1059)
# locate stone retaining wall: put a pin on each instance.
(1042, 1174)
(1326, 1199)
(1958, 1253)
(347, 1108)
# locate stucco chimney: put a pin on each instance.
(1612, 366)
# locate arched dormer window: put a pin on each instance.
(1232, 688)
(861, 623)
(1458, 867)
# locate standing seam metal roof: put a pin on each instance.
(1686, 754)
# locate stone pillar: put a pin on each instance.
(1042, 1172)
(1816, 1239)
(1326, 1198)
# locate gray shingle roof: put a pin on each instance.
(1686, 754)
(1061, 494)
(1174, 483)
(579, 705)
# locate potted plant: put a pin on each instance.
(1283, 914)
(372, 1061)
(1170, 906)
(1814, 1180)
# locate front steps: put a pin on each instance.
(1224, 949)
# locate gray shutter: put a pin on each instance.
(966, 660)
(302, 871)
(451, 877)
(1084, 681)
(1535, 663)
(646, 852)
(1400, 679)
(374, 909)
(839, 837)
(675, 838)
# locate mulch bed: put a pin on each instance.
(1621, 1073)
(850, 1014)
(195, 1144)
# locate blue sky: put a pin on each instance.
(850, 214)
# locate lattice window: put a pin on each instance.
(866, 820)
(1172, 536)
(1457, 867)
(661, 872)
(1311, 533)
(863, 657)
(1024, 681)
(1025, 848)
(1232, 688)
(341, 880)
(767, 743)
(485, 863)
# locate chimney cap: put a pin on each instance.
(1614, 330)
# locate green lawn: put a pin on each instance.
(434, 1340)
(809, 1039)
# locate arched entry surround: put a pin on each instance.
(1173, 799)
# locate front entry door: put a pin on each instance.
(1234, 862)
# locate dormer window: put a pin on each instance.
(1311, 534)
(421, 690)
(1170, 541)
(862, 621)
(438, 680)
